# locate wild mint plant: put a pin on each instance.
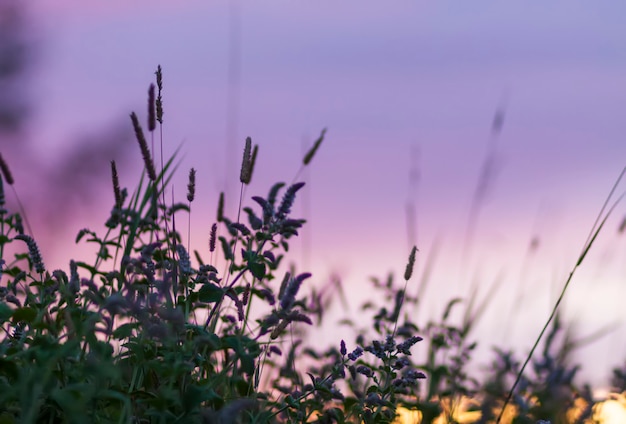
(549, 393)
(142, 334)
(152, 332)
(364, 384)
(447, 356)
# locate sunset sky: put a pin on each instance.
(400, 86)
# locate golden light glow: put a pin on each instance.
(610, 411)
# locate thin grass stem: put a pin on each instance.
(593, 234)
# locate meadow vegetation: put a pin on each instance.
(149, 332)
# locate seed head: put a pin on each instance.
(409, 266)
(6, 172)
(246, 172)
(159, 99)
(143, 145)
(212, 237)
(116, 185)
(159, 77)
(220, 208)
(255, 150)
(498, 121)
(191, 186)
(309, 156)
(151, 109)
(2, 198)
(33, 251)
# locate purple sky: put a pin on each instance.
(382, 78)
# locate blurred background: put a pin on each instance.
(488, 134)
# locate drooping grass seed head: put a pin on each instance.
(116, 185)
(309, 156)
(408, 272)
(159, 99)
(6, 172)
(154, 206)
(220, 208)
(191, 185)
(255, 151)
(2, 198)
(159, 77)
(245, 174)
(159, 109)
(212, 237)
(143, 145)
(498, 121)
(151, 108)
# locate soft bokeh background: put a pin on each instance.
(408, 92)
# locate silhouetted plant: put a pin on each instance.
(150, 332)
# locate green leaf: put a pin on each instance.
(9, 369)
(247, 364)
(24, 314)
(232, 342)
(257, 269)
(193, 397)
(449, 307)
(5, 312)
(124, 331)
(228, 252)
(5, 418)
(210, 293)
(88, 267)
(350, 402)
(82, 233)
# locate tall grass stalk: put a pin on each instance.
(593, 234)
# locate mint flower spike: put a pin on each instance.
(33, 251)
(290, 195)
(291, 290)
